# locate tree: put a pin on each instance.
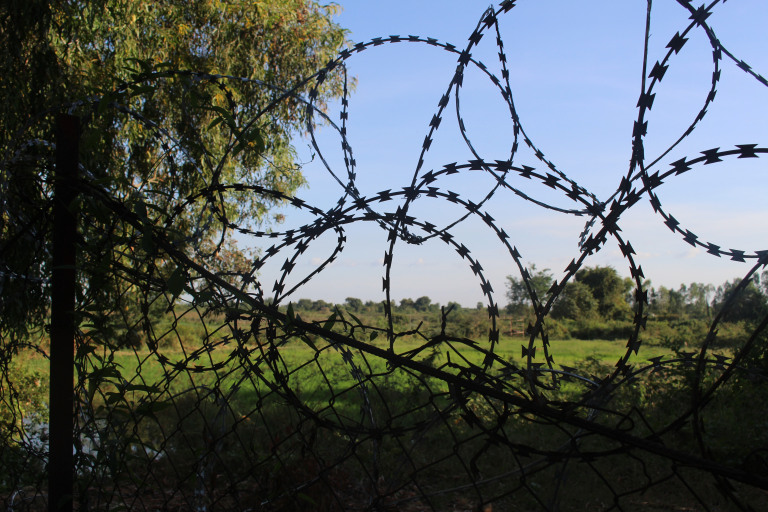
(518, 292)
(749, 305)
(668, 302)
(79, 49)
(140, 69)
(321, 305)
(354, 304)
(453, 306)
(422, 303)
(304, 305)
(575, 302)
(609, 290)
(89, 47)
(699, 299)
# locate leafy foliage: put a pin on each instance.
(575, 302)
(608, 289)
(521, 290)
(155, 75)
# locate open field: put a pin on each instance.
(146, 366)
(281, 415)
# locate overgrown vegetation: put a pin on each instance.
(194, 392)
(151, 409)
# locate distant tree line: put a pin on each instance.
(601, 293)
(594, 294)
(597, 303)
(355, 305)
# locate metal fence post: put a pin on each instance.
(63, 287)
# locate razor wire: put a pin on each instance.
(224, 423)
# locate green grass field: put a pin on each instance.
(270, 394)
(143, 366)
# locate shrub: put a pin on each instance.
(599, 329)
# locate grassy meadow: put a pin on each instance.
(282, 413)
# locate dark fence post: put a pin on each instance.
(60, 458)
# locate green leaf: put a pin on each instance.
(147, 241)
(250, 135)
(215, 122)
(84, 349)
(227, 117)
(308, 341)
(113, 397)
(104, 373)
(142, 387)
(357, 320)
(140, 209)
(203, 296)
(149, 408)
(138, 90)
(177, 281)
(328, 325)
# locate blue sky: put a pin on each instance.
(575, 74)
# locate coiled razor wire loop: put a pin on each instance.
(224, 423)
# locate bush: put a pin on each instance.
(558, 329)
(681, 334)
(599, 329)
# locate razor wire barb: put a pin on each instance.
(225, 422)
